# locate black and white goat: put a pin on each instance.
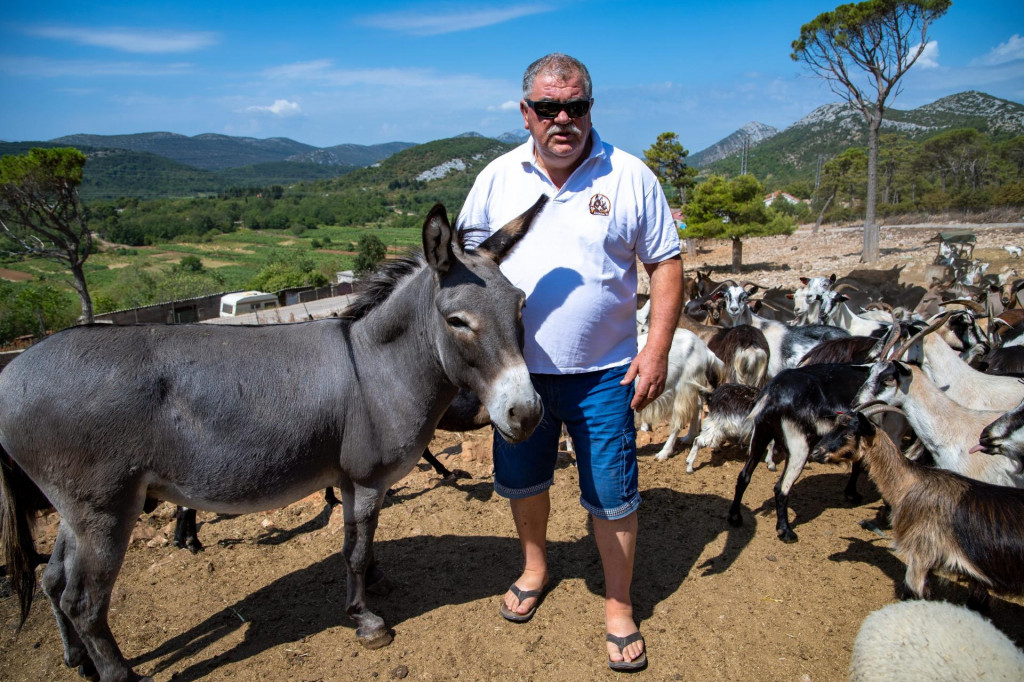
(940, 520)
(808, 298)
(795, 409)
(786, 344)
(1005, 436)
(728, 419)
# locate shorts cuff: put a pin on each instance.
(620, 512)
(521, 493)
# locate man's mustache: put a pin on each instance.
(562, 129)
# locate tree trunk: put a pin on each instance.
(821, 216)
(737, 255)
(871, 241)
(83, 293)
(691, 247)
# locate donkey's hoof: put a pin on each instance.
(380, 638)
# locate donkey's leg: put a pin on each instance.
(54, 581)
(101, 540)
(361, 506)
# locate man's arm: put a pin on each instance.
(651, 363)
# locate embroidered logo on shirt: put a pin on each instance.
(599, 205)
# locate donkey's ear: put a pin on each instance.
(437, 240)
(499, 244)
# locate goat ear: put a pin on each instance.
(902, 370)
(833, 278)
(789, 296)
(500, 244)
(805, 280)
(864, 427)
(437, 240)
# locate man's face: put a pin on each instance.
(562, 139)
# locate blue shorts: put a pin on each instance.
(596, 413)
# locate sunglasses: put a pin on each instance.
(548, 109)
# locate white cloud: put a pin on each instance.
(280, 107)
(42, 67)
(929, 59)
(511, 105)
(137, 40)
(1011, 50)
(424, 23)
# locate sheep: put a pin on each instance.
(940, 519)
(932, 641)
(947, 429)
(728, 418)
(689, 362)
(795, 409)
(1014, 251)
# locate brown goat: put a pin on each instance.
(940, 520)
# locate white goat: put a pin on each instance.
(962, 383)
(1014, 251)
(689, 363)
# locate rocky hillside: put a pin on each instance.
(752, 134)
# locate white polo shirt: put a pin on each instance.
(577, 263)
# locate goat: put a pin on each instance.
(795, 409)
(854, 349)
(805, 298)
(947, 429)
(1004, 436)
(689, 363)
(728, 418)
(1014, 251)
(786, 344)
(959, 381)
(835, 312)
(932, 640)
(940, 519)
(743, 349)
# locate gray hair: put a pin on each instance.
(559, 65)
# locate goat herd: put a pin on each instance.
(920, 388)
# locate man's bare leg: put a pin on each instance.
(531, 517)
(616, 543)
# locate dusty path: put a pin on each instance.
(265, 600)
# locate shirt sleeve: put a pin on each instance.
(659, 237)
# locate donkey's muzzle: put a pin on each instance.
(520, 420)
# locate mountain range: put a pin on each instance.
(833, 128)
(162, 164)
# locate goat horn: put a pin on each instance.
(939, 321)
(967, 303)
(870, 403)
(882, 408)
(893, 337)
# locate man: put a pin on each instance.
(577, 266)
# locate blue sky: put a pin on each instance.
(327, 73)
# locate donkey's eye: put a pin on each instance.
(459, 323)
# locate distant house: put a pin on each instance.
(679, 218)
(771, 198)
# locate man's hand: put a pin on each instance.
(650, 369)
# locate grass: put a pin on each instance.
(237, 256)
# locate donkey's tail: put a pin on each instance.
(19, 501)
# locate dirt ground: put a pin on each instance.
(265, 600)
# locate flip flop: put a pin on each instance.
(638, 663)
(521, 595)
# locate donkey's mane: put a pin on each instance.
(376, 289)
(379, 286)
